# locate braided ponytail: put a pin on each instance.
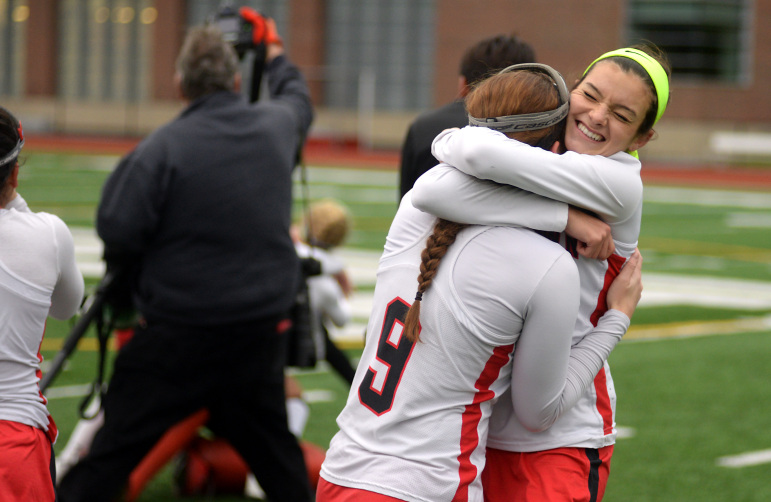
(437, 243)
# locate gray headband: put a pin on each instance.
(529, 121)
(13, 153)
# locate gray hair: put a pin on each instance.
(206, 63)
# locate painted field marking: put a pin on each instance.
(625, 432)
(68, 391)
(747, 459)
(697, 328)
(697, 248)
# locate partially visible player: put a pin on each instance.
(325, 227)
(415, 424)
(38, 278)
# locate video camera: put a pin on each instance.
(235, 29)
(239, 32)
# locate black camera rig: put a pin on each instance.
(237, 31)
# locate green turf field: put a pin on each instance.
(692, 375)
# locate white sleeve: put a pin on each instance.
(68, 291)
(331, 302)
(548, 375)
(609, 186)
(450, 194)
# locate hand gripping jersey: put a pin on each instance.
(38, 277)
(609, 186)
(416, 420)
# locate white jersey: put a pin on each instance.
(38, 278)
(327, 301)
(609, 186)
(416, 420)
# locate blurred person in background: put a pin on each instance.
(479, 61)
(201, 210)
(38, 278)
(613, 109)
(324, 227)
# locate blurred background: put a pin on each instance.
(85, 67)
(89, 78)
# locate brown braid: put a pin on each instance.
(437, 243)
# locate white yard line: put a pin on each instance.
(746, 459)
(660, 289)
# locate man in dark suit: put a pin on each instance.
(479, 61)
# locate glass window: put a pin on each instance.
(705, 40)
(13, 17)
(106, 49)
(380, 51)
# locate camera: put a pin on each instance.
(235, 29)
(302, 345)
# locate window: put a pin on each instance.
(105, 49)
(705, 40)
(380, 53)
(13, 17)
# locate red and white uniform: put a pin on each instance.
(609, 186)
(38, 277)
(416, 420)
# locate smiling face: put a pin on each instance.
(606, 111)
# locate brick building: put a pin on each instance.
(106, 66)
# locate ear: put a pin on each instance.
(178, 85)
(13, 179)
(463, 87)
(555, 148)
(640, 141)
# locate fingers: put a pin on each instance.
(601, 250)
(257, 21)
(634, 262)
(626, 290)
(271, 34)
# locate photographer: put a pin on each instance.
(202, 209)
(38, 278)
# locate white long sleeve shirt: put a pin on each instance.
(416, 420)
(609, 186)
(38, 277)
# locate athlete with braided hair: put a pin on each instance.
(415, 424)
(613, 109)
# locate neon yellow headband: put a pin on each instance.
(652, 67)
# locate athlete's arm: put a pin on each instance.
(609, 186)
(68, 291)
(331, 300)
(548, 375)
(450, 194)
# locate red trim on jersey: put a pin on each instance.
(615, 262)
(53, 432)
(38, 371)
(469, 438)
(330, 492)
(603, 401)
